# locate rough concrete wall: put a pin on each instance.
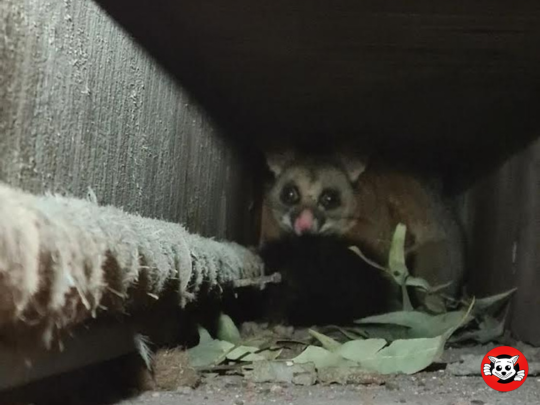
(83, 106)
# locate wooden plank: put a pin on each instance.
(504, 235)
(97, 344)
(444, 83)
(83, 106)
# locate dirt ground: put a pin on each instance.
(429, 388)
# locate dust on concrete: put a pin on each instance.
(427, 388)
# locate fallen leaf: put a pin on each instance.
(435, 303)
(417, 282)
(420, 324)
(440, 287)
(208, 352)
(244, 353)
(490, 305)
(488, 330)
(327, 342)
(387, 332)
(227, 330)
(321, 358)
(406, 356)
(359, 350)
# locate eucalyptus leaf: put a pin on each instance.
(204, 336)
(387, 332)
(491, 304)
(488, 330)
(406, 300)
(245, 353)
(208, 352)
(420, 324)
(359, 350)
(322, 358)
(327, 342)
(440, 287)
(406, 356)
(417, 282)
(435, 304)
(396, 261)
(227, 330)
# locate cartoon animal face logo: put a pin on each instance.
(504, 367)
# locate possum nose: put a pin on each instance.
(304, 222)
(503, 373)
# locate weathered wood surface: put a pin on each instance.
(83, 106)
(504, 231)
(451, 84)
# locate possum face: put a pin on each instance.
(504, 368)
(313, 196)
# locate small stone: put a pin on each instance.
(477, 402)
(155, 395)
(238, 402)
(184, 390)
(276, 389)
(402, 401)
(391, 386)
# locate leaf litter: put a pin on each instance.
(406, 341)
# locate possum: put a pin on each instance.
(343, 195)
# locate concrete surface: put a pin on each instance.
(423, 389)
(427, 388)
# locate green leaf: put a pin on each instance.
(387, 332)
(208, 352)
(327, 342)
(406, 356)
(245, 353)
(491, 304)
(440, 287)
(321, 358)
(204, 336)
(417, 282)
(406, 305)
(435, 304)
(488, 330)
(396, 261)
(420, 324)
(359, 350)
(227, 330)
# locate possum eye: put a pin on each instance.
(507, 368)
(329, 199)
(499, 368)
(290, 195)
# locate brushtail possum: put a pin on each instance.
(343, 195)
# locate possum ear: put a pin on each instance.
(493, 359)
(277, 161)
(514, 359)
(353, 165)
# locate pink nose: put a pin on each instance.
(304, 222)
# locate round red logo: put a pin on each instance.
(504, 368)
